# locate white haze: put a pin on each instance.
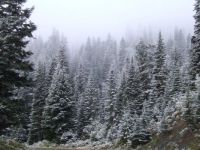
(78, 19)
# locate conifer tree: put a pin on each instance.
(15, 28)
(81, 79)
(110, 103)
(158, 82)
(140, 135)
(88, 106)
(127, 126)
(60, 106)
(132, 91)
(80, 86)
(144, 73)
(189, 113)
(176, 73)
(159, 69)
(35, 132)
(142, 80)
(195, 53)
(121, 99)
(51, 72)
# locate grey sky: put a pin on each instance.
(78, 19)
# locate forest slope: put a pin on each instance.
(181, 136)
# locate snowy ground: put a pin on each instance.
(79, 145)
(62, 148)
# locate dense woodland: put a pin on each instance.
(110, 90)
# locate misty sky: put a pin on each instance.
(78, 19)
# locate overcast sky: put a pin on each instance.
(78, 19)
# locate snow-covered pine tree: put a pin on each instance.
(158, 82)
(35, 131)
(132, 91)
(185, 74)
(189, 111)
(173, 89)
(144, 74)
(51, 72)
(110, 102)
(174, 83)
(81, 80)
(60, 106)
(148, 114)
(185, 78)
(25, 98)
(140, 134)
(159, 69)
(196, 104)
(126, 126)
(15, 29)
(195, 52)
(144, 57)
(176, 58)
(88, 110)
(121, 99)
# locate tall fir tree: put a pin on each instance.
(195, 52)
(80, 86)
(159, 69)
(176, 73)
(158, 82)
(127, 126)
(15, 29)
(35, 131)
(121, 98)
(132, 90)
(144, 73)
(60, 106)
(110, 103)
(88, 106)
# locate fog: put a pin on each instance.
(78, 19)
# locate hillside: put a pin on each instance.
(180, 137)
